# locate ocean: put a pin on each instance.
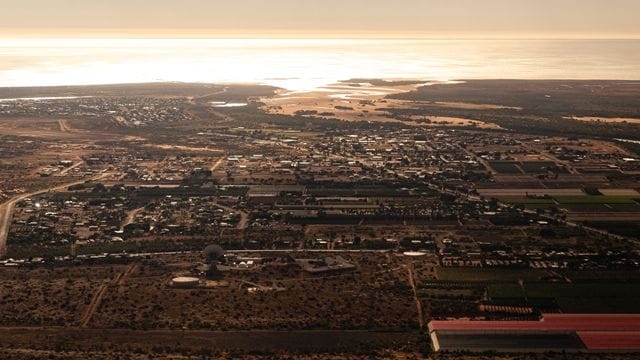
(308, 64)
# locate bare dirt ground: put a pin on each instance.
(75, 310)
(472, 106)
(207, 343)
(48, 128)
(607, 120)
(366, 102)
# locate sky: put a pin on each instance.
(299, 18)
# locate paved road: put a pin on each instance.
(284, 251)
(6, 209)
(244, 217)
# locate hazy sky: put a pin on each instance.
(467, 18)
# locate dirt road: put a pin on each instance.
(215, 166)
(65, 171)
(244, 217)
(93, 306)
(412, 283)
(131, 217)
(64, 125)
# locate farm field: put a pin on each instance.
(600, 204)
(525, 167)
(594, 297)
(506, 167)
(515, 192)
(623, 228)
(487, 275)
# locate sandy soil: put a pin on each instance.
(619, 192)
(45, 127)
(364, 102)
(470, 106)
(183, 148)
(607, 120)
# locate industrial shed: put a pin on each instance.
(553, 332)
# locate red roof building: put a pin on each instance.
(561, 332)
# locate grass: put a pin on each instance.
(529, 203)
(625, 207)
(589, 297)
(604, 275)
(374, 191)
(579, 203)
(597, 199)
(538, 206)
(526, 200)
(624, 228)
(518, 167)
(586, 207)
(508, 291)
(535, 167)
(482, 274)
(631, 202)
(599, 203)
(505, 167)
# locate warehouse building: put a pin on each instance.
(554, 332)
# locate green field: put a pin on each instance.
(527, 167)
(484, 274)
(526, 200)
(585, 207)
(604, 275)
(599, 203)
(529, 203)
(592, 297)
(623, 228)
(597, 199)
(537, 167)
(505, 167)
(373, 191)
(579, 203)
(538, 206)
(625, 207)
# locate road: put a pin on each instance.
(544, 217)
(217, 164)
(93, 306)
(283, 251)
(65, 171)
(479, 159)
(108, 341)
(566, 164)
(64, 125)
(6, 209)
(476, 198)
(244, 217)
(131, 217)
(412, 283)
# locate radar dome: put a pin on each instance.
(213, 253)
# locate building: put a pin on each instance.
(554, 332)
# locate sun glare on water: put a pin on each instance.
(301, 64)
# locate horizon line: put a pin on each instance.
(179, 34)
